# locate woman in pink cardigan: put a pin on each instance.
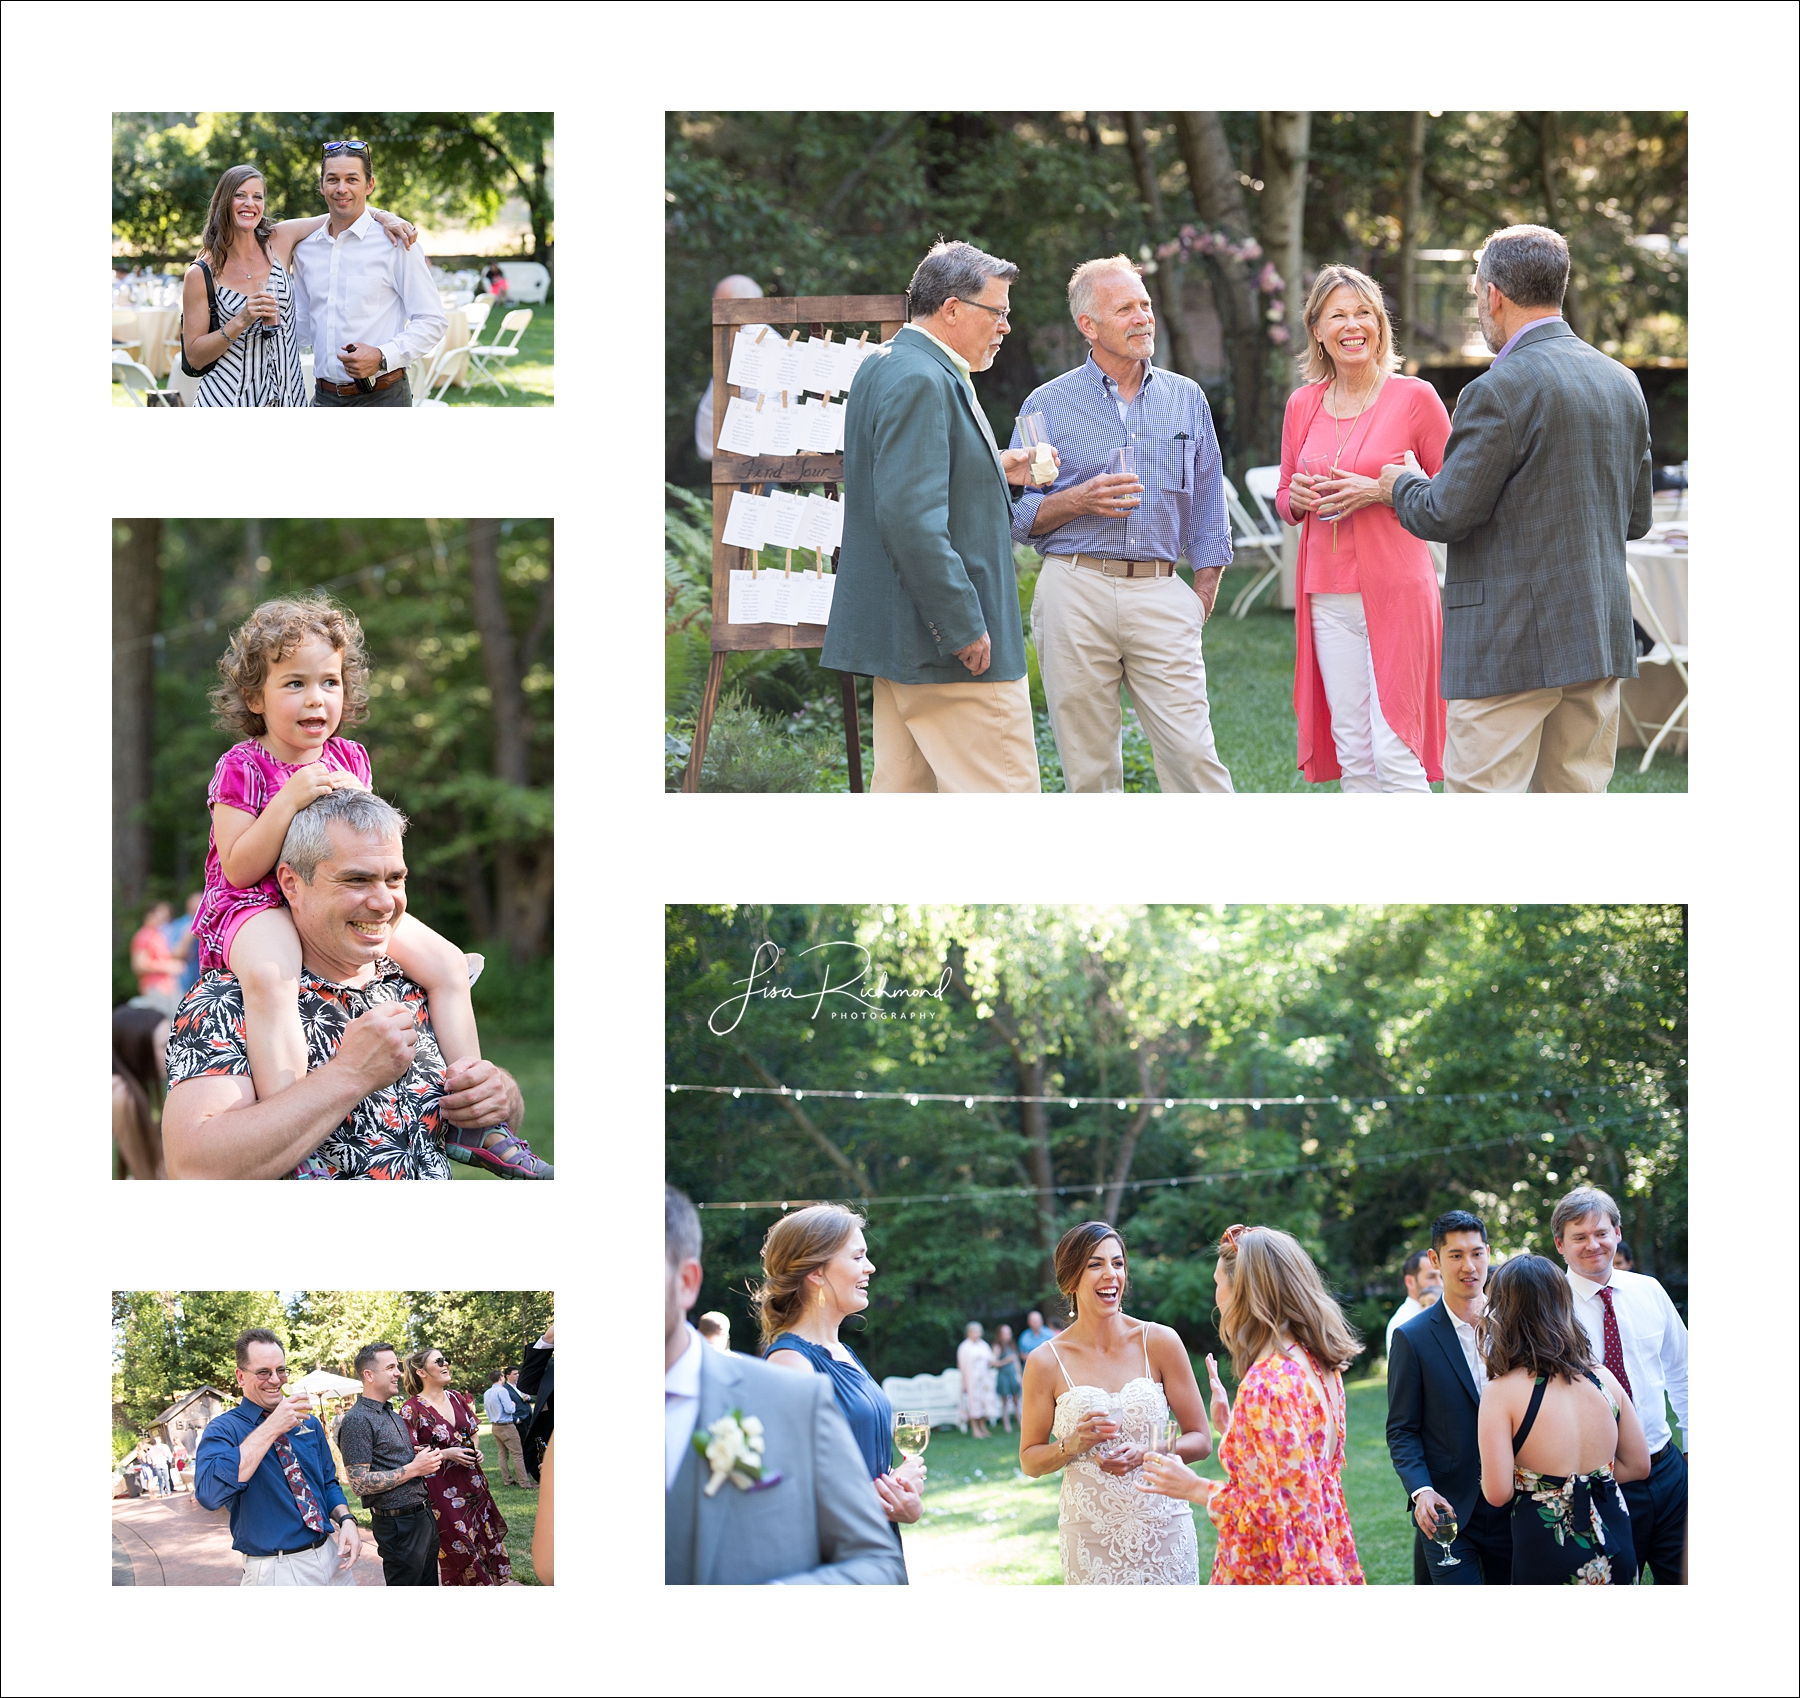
(1368, 621)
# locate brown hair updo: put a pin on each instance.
(409, 1370)
(1531, 1323)
(1072, 1252)
(798, 1244)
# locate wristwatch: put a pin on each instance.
(384, 365)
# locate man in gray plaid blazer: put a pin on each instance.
(1546, 476)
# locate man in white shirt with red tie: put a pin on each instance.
(1635, 1332)
(368, 307)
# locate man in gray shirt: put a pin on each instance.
(387, 1472)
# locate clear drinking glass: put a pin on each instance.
(1443, 1531)
(912, 1432)
(1034, 432)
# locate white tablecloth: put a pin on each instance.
(152, 326)
(1663, 571)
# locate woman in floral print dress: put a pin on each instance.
(471, 1531)
(1280, 1514)
(1558, 1435)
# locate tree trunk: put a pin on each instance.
(1286, 137)
(1165, 282)
(1219, 199)
(1115, 1190)
(136, 598)
(522, 870)
(1410, 212)
(1548, 139)
(1034, 1121)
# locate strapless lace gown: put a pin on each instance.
(1111, 1534)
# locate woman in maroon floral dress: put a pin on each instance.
(471, 1531)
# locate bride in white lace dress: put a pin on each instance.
(1093, 1398)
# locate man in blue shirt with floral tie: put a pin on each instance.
(1110, 608)
(269, 1463)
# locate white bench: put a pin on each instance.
(935, 1396)
(527, 283)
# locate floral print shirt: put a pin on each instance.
(1281, 1515)
(393, 1133)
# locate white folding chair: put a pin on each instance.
(137, 381)
(516, 323)
(1248, 532)
(1665, 653)
(438, 366)
(476, 312)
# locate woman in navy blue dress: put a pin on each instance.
(816, 1272)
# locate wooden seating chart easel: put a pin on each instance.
(732, 472)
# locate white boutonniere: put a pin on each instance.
(733, 1448)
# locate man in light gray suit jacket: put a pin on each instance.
(1546, 476)
(813, 1519)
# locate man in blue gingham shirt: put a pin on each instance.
(1109, 607)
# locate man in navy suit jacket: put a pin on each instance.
(1435, 1377)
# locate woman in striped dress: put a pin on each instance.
(255, 352)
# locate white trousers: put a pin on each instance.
(1372, 754)
(1094, 633)
(298, 1568)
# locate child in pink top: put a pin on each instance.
(295, 671)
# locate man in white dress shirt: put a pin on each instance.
(812, 1519)
(1424, 1285)
(1637, 1333)
(368, 308)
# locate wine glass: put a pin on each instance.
(1164, 1437)
(912, 1432)
(1034, 432)
(1443, 1532)
(1317, 466)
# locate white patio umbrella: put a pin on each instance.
(319, 1383)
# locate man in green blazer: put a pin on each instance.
(927, 601)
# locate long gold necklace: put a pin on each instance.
(1338, 448)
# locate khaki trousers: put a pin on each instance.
(1094, 633)
(299, 1568)
(506, 1441)
(954, 737)
(1559, 739)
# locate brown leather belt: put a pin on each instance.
(1120, 568)
(386, 381)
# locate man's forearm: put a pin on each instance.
(1055, 511)
(253, 1450)
(369, 1482)
(264, 1140)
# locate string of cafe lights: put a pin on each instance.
(1224, 1176)
(969, 1099)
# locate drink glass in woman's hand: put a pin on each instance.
(912, 1433)
(1314, 467)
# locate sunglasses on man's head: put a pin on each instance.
(332, 147)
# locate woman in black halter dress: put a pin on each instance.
(1558, 1435)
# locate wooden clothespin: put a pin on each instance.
(819, 555)
(759, 336)
(787, 563)
(795, 337)
(761, 396)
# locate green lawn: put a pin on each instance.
(531, 1062)
(529, 375)
(517, 1506)
(1250, 684)
(985, 1523)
